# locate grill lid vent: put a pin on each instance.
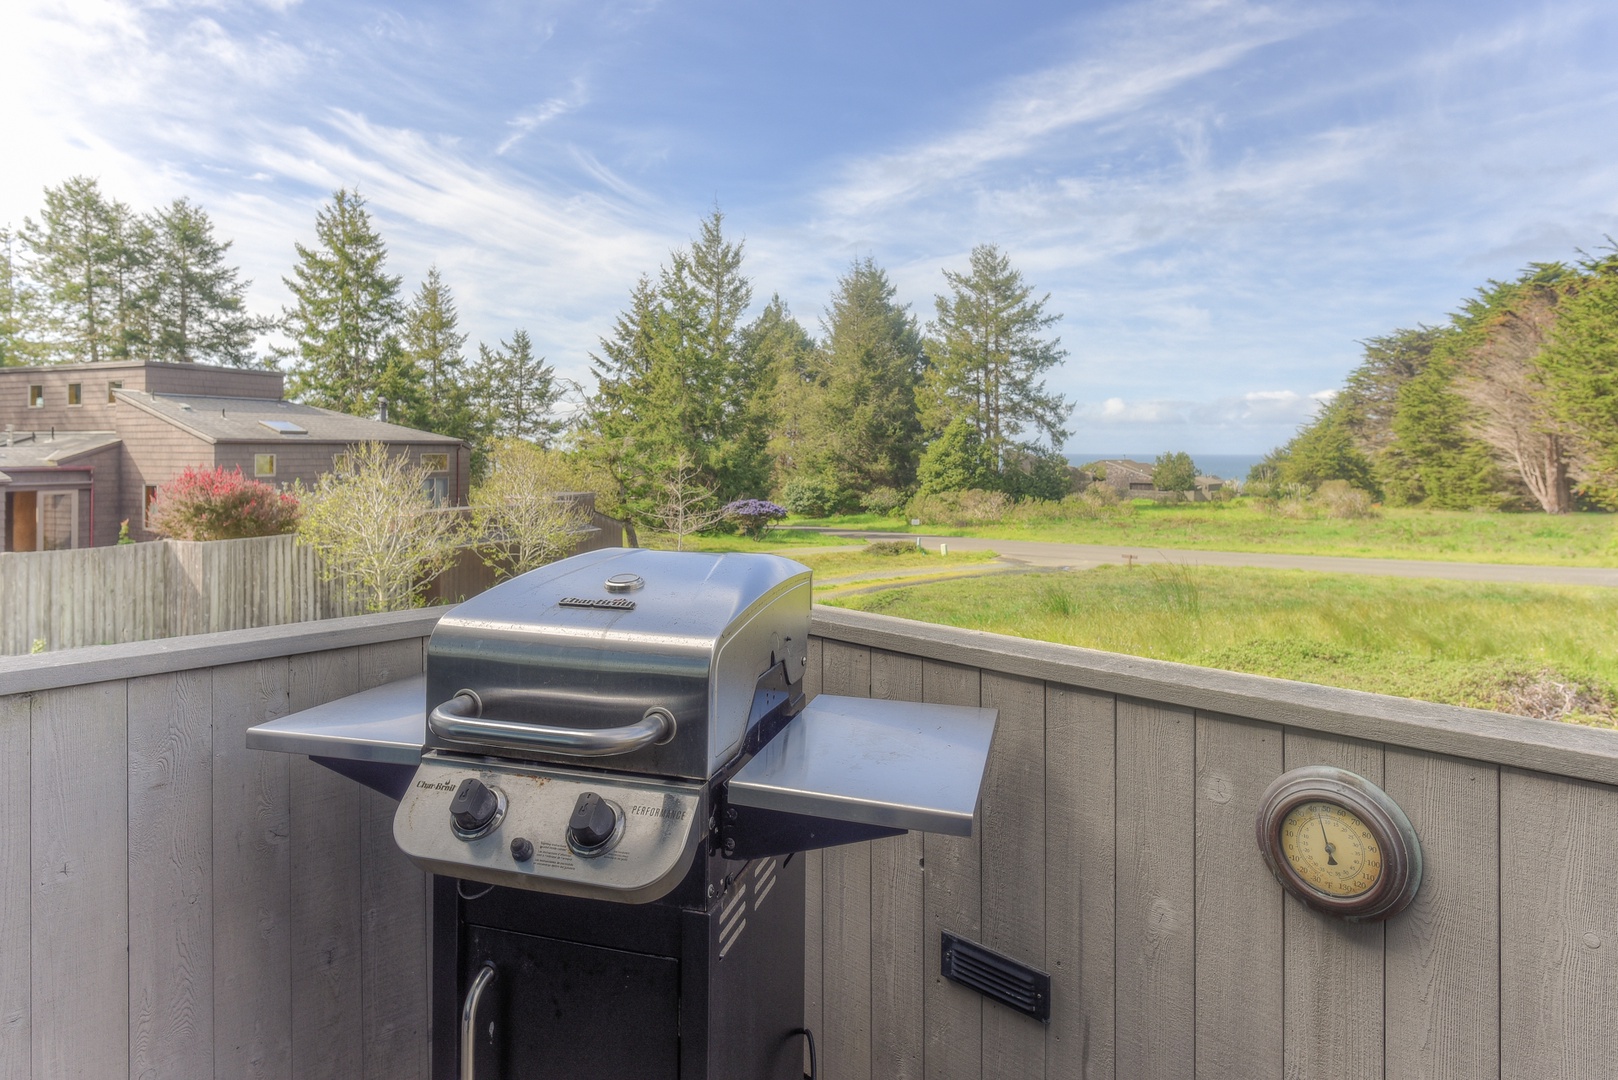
(997, 976)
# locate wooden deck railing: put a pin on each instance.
(174, 905)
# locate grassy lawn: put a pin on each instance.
(776, 542)
(1516, 648)
(902, 559)
(1569, 540)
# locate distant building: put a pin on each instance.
(85, 446)
(1133, 479)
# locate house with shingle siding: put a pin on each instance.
(84, 447)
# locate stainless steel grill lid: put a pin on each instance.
(646, 660)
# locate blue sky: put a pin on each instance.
(1222, 197)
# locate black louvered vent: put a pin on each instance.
(997, 976)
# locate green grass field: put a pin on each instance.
(1538, 650)
(1569, 540)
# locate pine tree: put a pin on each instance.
(870, 368)
(79, 256)
(778, 345)
(198, 301)
(433, 342)
(520, 391)
(17, 346)
(673, 379)
(988, 351)
(345, 319)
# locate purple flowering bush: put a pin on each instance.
(754, 516)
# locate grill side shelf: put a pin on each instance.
(866, 762)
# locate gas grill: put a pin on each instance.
(610, 767)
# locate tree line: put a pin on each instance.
(873, 408)
(1511, 402)
(93, 280)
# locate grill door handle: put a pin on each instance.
(469, 1019)
(457, 719)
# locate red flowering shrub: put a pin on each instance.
(212, 504)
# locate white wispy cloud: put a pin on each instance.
(525, 122)
(1149, 51)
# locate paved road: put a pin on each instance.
(1084, 556)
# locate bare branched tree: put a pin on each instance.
(521, 513)
(685, 503)
(1511, 413)
(376, 528)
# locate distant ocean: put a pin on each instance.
(1224, 466)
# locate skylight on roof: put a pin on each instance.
(285, 427)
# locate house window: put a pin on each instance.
(116, 384)
(263, 464)
(36, 396)
(437, 488)
(435, 462)
(58, 520)
(74, 396)
(146, 506)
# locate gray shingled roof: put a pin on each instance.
(36, 449)
(234, 419)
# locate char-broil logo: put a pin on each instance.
(442, 785)
(611, 604)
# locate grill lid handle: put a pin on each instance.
(457, 719)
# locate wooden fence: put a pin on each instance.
(173, 905)
(169, 588)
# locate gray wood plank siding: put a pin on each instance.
(151, 923)
(1172, 951)
(174, 905)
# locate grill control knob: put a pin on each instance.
(474, 805)
(594, 821)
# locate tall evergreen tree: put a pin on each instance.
(520, 391)
(870, 368)
(77, 259)
(433, 342)
(345, 318)
(197, 300)
(988, 350)
(16, 344)
(777, 344)
(673, 379)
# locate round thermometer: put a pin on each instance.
(1337, 842)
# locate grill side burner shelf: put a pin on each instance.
(611, 771)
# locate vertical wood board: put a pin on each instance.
(395, 911)
(846, 908)
(16, 900)
(1443, 952)
(952, 899)
(1014, 856)
(252, 883)
(80, 882)
(1080, 726)
(1156, 891)
(171, 875)
(897, 934)
(327, 1029)
(1239, 914)
(1558, 927)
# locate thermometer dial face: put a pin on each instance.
(1337, 842)
(1331, 849)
